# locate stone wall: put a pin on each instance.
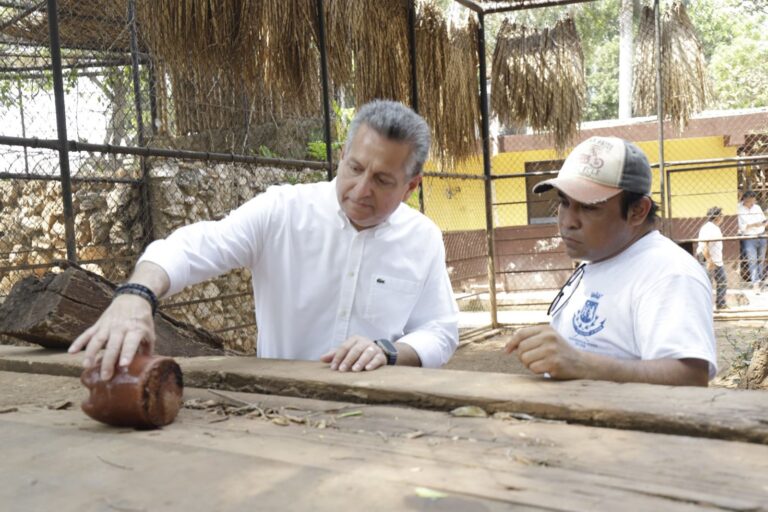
(32, 231)
(110, 231)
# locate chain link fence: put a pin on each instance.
(209, 148)
(215, 147)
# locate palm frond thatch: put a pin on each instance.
(380, 45)
(97, 25)
(446, 68)
(683, 70)
(538, 79)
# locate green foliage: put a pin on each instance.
(735, 40)
(316, 150)
(603, 82)
(737, 81)
(8, 92)
(342, 118)
(267, 153)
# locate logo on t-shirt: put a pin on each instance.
(585, 321)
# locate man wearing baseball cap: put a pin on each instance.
(638, 308)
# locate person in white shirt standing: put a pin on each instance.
(752, 225)
(343, 271)
(640, 308)
(710, 252)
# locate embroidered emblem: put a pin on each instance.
(585, 321)
(592, 163)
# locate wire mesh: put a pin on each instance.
(119, 92)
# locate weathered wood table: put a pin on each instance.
(287, 435)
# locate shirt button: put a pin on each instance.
(351, 274)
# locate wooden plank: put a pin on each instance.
(716, 413)
(478, 463)
(54, 310)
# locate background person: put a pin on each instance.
(710, 252)
(341, 269)
(752, 224)
(640, 308)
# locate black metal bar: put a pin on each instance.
(42, 76)
(23, 124)
(167, 153)
(28, 266)
(534, 4)
(469, 296)
(61, 130)
(152, 96)
(73, 65)
(467, 258)
(173, 305)
(469, 4)
(536, 270)
(22, 15)
(413, 54)
(484, 112)
(453, 176)
(75, 179)
(663, 207)
(326, 88)
(520, 176)
(737, 160)
(414, 77)
(705, 168)
(70, 47)
(235, 328)
(144, 193)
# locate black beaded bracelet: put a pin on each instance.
(140, 290)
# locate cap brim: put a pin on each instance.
(583, 191)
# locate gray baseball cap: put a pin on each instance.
(599, 168)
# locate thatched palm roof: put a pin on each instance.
(684, 77)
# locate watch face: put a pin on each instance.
(387, 346)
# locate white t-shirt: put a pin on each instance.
(710, 231)
(317, 280)
(651, 301)
(748, 216)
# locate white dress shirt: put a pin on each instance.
(748, 216)
(711, 235)
(317, 280)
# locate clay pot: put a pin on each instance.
(146, 394)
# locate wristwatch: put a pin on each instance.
(389, 350)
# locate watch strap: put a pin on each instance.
(389, 349)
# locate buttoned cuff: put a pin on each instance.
(433, 350)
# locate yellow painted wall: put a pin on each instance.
(459, 204)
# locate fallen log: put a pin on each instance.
(715, 413)
(53, 310)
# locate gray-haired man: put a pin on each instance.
(342, 271)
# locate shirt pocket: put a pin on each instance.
(391, 301)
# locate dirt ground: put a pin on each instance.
(734, 351)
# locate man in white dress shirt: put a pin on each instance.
(343, 271)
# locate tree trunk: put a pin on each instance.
(54, 310)
(757, 372)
